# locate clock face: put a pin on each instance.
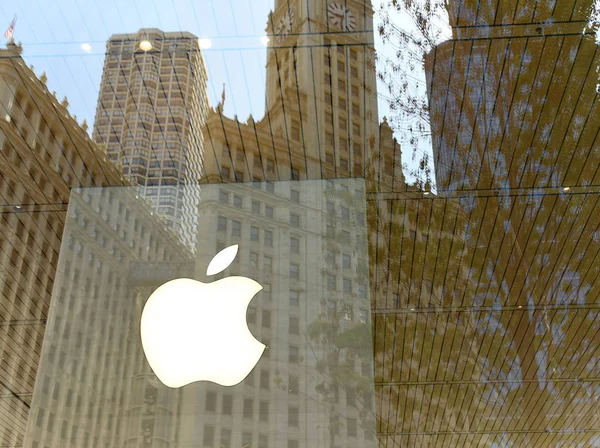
(341, 17)
(285, 25)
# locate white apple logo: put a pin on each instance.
(193, 331)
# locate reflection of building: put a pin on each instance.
(305, 243)
(314, 383)
(43, 153)
(94, 385)
(151, 109)
(321, 118)
(512, 106)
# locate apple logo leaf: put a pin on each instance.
(222, 260)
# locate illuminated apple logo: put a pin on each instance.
(193, 331)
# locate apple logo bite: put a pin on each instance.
(193, 331)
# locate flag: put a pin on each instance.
(11, 29)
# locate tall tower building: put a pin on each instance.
(321, 118)
(152, 106)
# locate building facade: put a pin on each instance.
(151, 110)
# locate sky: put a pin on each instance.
(53, 32)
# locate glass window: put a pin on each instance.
(267, 264)
(347, 285)
(293, 354)
(294, 271)
(330, 257)
(294, 325)
(237, 201)
(270, 187)
(293, 416)
(208, 438)
(345, 214)
(248, 405)
(256, 207)
(253, 259)
(268, 211)
(351, 426)
(227, 404)
(346, 263)
(254, 233)
(294, 298)
(221, 224)
(268, 238)
(236, 228)
(263, 413)
(295, 196)
(362, 291)
(266, 319)
(294, 245)
(211, 401)
(330, 208)
(294, 220)
(331, 282)
(264, 379)
(225, 437)
(293, 385)
(267, 291)
(362, 316)
(223, 197)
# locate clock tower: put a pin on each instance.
(321, 83)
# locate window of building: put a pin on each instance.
(329, 158)
(293, 385)
(343, 124)
(223, 197)
(221, 224)
(356, 129)
(327, 79)
(351, 427)
(236, 228)
(225, 172)
(268, 238)
(211, 401)
(346, 261)
(347, 285)
(225, 438)
(354, 91)
(293, 354)
(362, 291)
(237, 201)
(294, 245)
(256, 207)
(263, 411)
(331, 282)
(254, 233)
(264, 382)
(247, 410)
(294, 271)
(341, 85)
(342, 103)
(353, 55)
(267, 264)
(355, 109)
(294, 298)
(343, 163)
(270, 166)
(267, 291)
(295, 133)
(295, 196)
(239, 176)
(268, 211)
(341, 67)
(293, 416)
(266, 319)
(253, 259)
(294, 325)
(343, 144)
(208, 438)
(270, 187)
(227, 406)
(329, 139)
(294, 220)
(330, 208)
(330, 257)
(293, 444)
(345, 213)
(328, 118)
(362, 316)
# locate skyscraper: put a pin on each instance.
(152, 106)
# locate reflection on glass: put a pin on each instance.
(313, 383)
